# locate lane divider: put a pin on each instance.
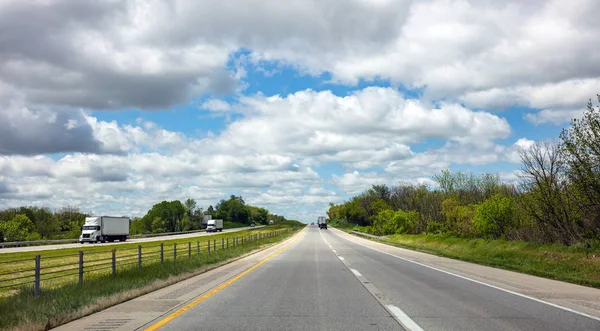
(190, 305)
(475, 281)
(399, 316)
(354, 271)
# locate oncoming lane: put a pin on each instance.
(129, 241)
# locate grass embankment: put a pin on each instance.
(570, 264)
(63, 302)
(233, 225)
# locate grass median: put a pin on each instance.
(570, 264)
(61, 303)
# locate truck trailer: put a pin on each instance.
(321, 222)
(104, 228)
(214, 226)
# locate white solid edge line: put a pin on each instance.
(407, 322)
(341, 258)
(334, 251)
(482, 283)
(354, 271)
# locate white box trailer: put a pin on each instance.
(214, 226)
(104, 228)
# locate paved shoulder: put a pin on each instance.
(438, 300)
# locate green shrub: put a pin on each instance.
(434, 227)
(405, 221)
(459, 218)
(495, 216)
(19, 228)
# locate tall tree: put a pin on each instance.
(581, 149)
(166, 215)
(547, 200)
(210, 210)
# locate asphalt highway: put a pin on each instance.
(137, 240)
(326, 282)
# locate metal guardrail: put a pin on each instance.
(73, 241)
(368, 235)
(70, 268)
(36, 242)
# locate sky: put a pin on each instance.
(112, 106)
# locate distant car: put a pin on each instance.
(251, 225)
(313, 223)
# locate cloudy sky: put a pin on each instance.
(114, 105)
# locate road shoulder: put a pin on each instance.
(575, 297)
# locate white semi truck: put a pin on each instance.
(104, 228)
(214, 226)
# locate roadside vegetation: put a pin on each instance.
(61, 303)
(40, 223)
(547, 223)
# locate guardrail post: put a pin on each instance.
(162, 253)
(222, 243)
(139, 256)
(114, 262)
(208, 245)
(174, 252)
(36, 287)
(189, 249)
(227, 243)
(198, 248)
(215, 245)
(80, 268)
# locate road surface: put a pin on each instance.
(322, 280)
(138, 240)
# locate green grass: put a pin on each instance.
(232, 225)
(64, 302)
(88, 248)
(63, 262)
(558, 262)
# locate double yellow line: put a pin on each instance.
(187, 307)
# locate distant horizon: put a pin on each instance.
(112, 107)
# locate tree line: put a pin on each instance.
(556, 198)
(174, 216)
(37, 223)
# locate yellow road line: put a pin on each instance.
(187, 307)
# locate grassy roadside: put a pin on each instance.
(60, 304)
(59, 266)
(569, 264)
(92, 248)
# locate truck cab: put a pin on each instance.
(91, 230)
